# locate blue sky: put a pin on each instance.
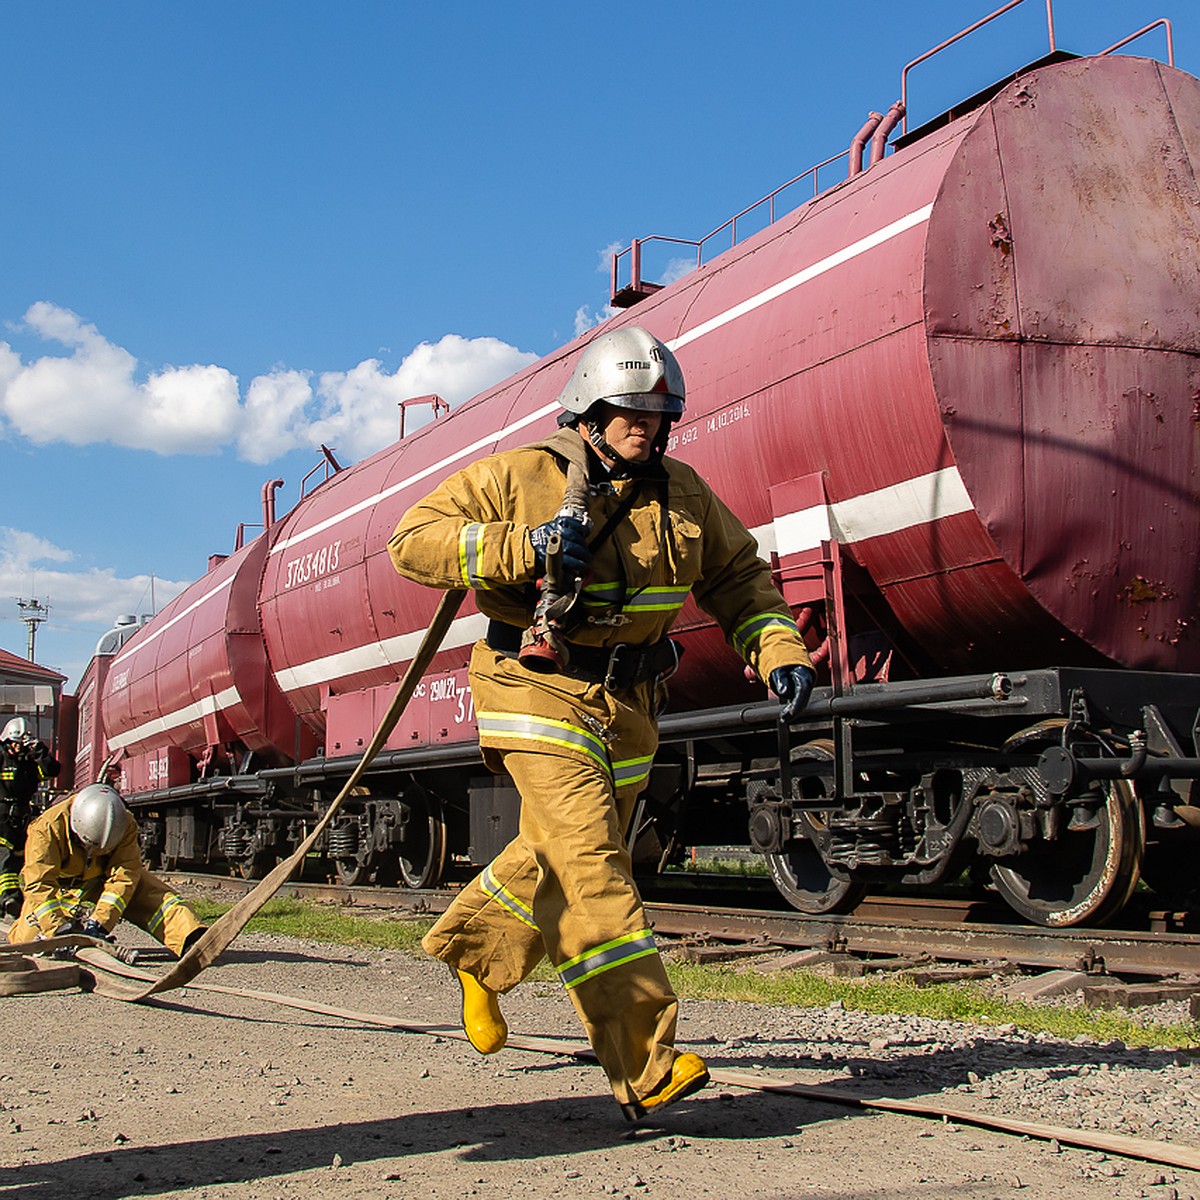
(232, 231)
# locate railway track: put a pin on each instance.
(885, 933)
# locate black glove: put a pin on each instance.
(575, 552)
(793, 685)
(93, 929)
(67, 928)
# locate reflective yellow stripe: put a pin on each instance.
(602, 958)
(497, 891)
(470, 540)
(160, 913)
(750, 630)
(544, 731)
(632, 770)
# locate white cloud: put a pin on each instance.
(585, 319)
(93, 394)
(82, 603)
(677, 268)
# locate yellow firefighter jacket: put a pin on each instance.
(677, 540)
(58, 874)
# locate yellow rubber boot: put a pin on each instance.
(688, 1074)
(482, 1020)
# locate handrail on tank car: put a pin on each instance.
(328, 463)
(439, 405)
(1163, 21)
(957, 37)
(1133, 37)
(634, 249)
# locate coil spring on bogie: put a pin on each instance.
(871, 841)
(236, 841)
(343, 840)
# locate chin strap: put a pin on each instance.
(624, 469)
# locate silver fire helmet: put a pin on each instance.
(99, 817)
(17, 730)
(628, 368)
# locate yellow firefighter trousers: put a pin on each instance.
(564, 886)
(153, 907)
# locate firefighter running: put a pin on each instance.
(575, 725)
(83, 874)
(25, 763)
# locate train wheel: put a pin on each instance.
(421, 855)
(351, 872)
(799, 872)
(255, 865)
(1084, 876)
(1169, 869)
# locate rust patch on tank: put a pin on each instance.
(1140, 590)
(1001, 238)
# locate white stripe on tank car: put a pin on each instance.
(181, 716)
(157, 633)
(837, 258)
(371, 501)
(400, 650)
(905, 505)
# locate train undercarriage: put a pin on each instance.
(1052, 789)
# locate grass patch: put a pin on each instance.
(747, 868)
(290, 917)
(966, 1002)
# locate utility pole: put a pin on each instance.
(33, 613)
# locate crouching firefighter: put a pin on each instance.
(83, 873)
(566, 693)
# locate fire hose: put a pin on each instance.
(214, 941)
(25, 973)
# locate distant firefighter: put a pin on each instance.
(83, 873)
(25, 763)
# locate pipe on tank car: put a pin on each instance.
(268, 501)
(860, 140)
(882, 129)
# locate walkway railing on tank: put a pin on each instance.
(878, 127)
(439, 405)
(329, 465)
(1050, 35)
(637, 288)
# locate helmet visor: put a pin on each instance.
(656, 402)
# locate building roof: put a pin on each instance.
(13, 664)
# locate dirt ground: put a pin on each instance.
(205, 1096)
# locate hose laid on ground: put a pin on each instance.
(1166, 1153)
(214, 941)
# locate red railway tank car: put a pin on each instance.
(955, 398)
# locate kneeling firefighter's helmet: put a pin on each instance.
(99, 817)
(627, 368)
